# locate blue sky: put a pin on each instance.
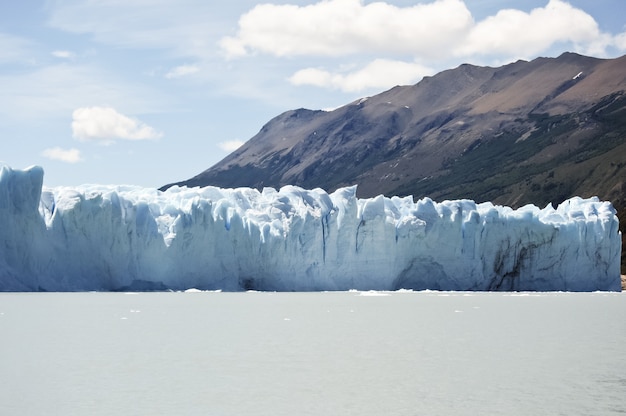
(148, 92)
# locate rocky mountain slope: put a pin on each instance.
(528, 132)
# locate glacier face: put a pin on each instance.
(130, 238)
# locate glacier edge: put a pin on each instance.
(95, 237)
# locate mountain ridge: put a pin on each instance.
(523, 125)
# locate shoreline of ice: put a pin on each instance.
(105, 238)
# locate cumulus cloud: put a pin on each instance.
(437, 33)
(105, 124)
(230, 145)
(516, 32)
(336, 27)
(441, 29)
(430, 29)
(181, 71)
(380, 73)
(63, 155)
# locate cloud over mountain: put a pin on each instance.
(337, 27)
(376, 74)
(438, 29)
(405, 39)
(514, 32)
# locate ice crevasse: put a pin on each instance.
(96, 237)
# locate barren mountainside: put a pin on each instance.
(527, 132)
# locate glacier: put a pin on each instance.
(104, 238)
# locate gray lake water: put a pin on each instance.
(345, 353)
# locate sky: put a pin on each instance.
(149, 92)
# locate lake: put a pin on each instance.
(331, 353)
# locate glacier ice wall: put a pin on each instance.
(126, 238)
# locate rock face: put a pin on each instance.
(527, 132)
(131, 238)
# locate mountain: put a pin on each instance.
(527, 132)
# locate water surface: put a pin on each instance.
(341, 353)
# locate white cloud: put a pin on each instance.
(181, 71)
(63, 54)
(63, 155)
(107, 125)
(514, 32)
(441, 29)
(437, 33)
(336, 27)
(230, 145)
(378, 74)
